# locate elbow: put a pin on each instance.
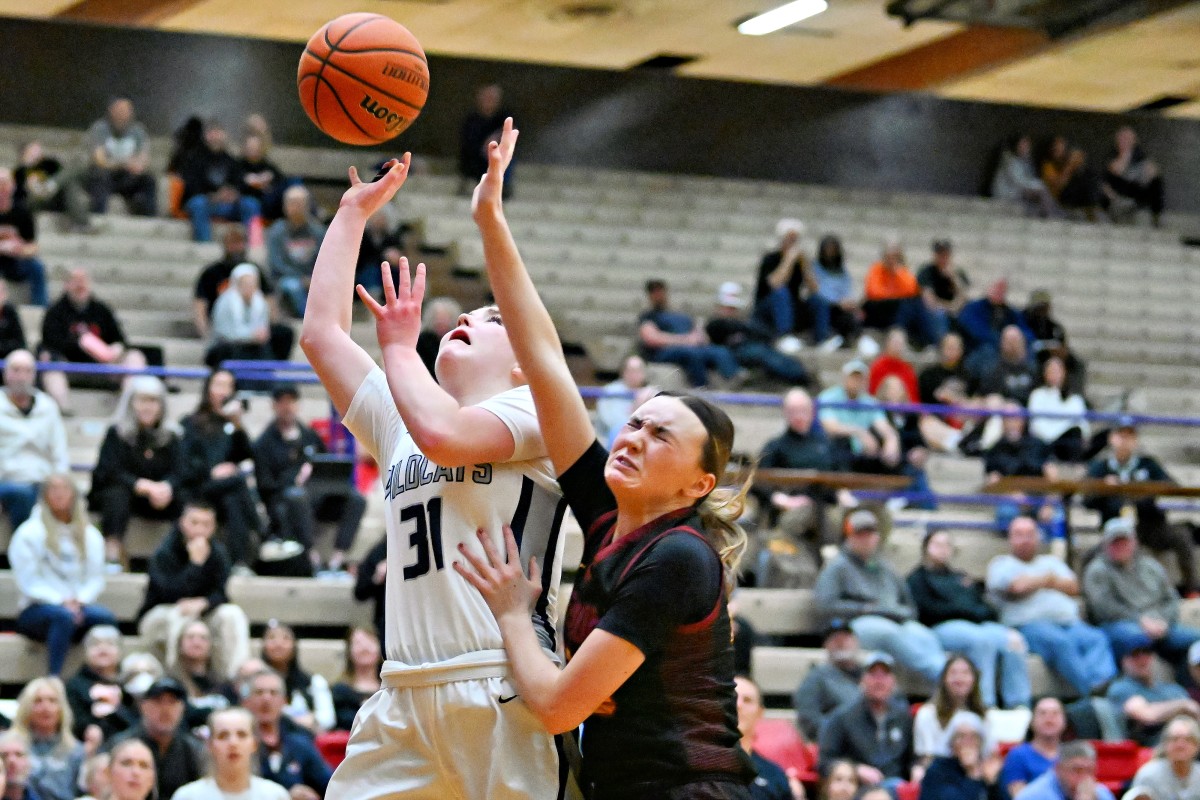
(441, 447)
(554, 718)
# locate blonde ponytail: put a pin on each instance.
(720, 511)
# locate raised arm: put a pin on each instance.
(566, 428)
(338, 360)
(448, 432)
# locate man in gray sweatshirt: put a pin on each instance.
(857, 585)
(1130, 597)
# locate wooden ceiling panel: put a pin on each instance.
(1112, 71)
(33, 8)
(1115, 70)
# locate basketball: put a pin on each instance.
(363, 78)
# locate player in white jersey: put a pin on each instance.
(458, 455)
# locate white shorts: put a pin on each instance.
(454, 730)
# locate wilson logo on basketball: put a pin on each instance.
(402, 73)
(391, 120)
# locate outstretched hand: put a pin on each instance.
(502, 581)
(398, 320)
(371, 196)
(489, 192)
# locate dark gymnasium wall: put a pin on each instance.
(61, 75)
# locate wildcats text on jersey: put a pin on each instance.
(417, 470)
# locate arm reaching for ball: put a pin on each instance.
(338, 360)
(566, 428)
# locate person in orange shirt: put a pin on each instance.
(893, 298)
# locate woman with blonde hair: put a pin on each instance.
(648, 632)
(202, 676)
(56, 756)
(57, 559)
(137, 471)
(1173, 773)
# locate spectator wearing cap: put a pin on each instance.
(673, 337)
(1073, 777)
(771, 783)
(952, 604)
(296, 499)
(241, 320)
(1173, 773)
(1036, 595)
(749, 341)
(802, 513)
(178, 755)
(983, 320)
(1130, 597)
(893, 298)
(784, 277)
(863, 432)
(859, 586)
(33, 439)
(1124, 465)
(1050, 339)
(832, 683)
(874, 730)
(970, 771)
(1146, 702)
(188, 572)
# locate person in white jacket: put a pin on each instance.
(57, 558)
(33, 440)
(1066, 436)
(241, 320)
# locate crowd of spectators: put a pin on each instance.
(147, 717)
(1058, 179)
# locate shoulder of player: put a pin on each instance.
(683, 546)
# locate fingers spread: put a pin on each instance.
(368, 301)
(389, 290)
(418, 287)
(354, 179)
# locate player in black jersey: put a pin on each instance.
(650, 667)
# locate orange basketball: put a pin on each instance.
(363, 78)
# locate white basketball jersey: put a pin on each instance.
(432, 613)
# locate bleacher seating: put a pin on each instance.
(591, 237)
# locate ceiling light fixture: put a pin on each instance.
(781, 17)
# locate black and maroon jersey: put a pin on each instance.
(661, 588)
